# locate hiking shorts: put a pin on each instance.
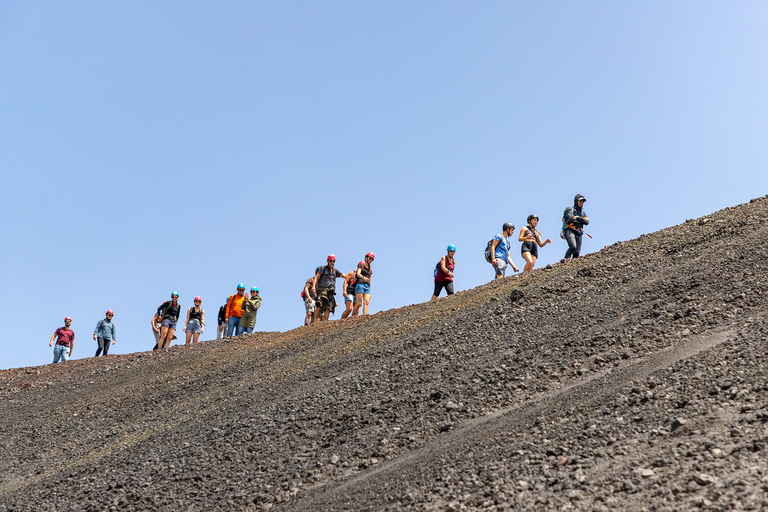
(309, 304)
(171, 324)
(439, 285)
(325, 296)
(363, 288)
(350, 297)
(530, 247)
(194, 327)
(500, 267)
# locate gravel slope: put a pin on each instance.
(631, 379)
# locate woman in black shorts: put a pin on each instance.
(444, 273)
(531, 237)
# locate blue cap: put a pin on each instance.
(254, 289)
(174, 293)
(452, 248)
(240, 285)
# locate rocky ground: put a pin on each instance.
(631, 379)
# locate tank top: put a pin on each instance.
(195, 315)
(441, 276)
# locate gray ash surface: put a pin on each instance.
(630, 379)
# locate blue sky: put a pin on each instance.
(147, 147)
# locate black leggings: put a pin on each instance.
(103, 345)
(439, 285)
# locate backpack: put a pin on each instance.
(489, 248)
(437, 268)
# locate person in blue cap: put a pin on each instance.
(444, 273)
(235, 311)
(250, 306)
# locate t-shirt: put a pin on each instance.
(66, 336)
(328, 276)
(502, 250)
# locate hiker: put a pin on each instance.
(157, 324)
(194, 325)
(574, 220)
(309, 298)
(349, 291)
(324, 286)
(64, 343)
(363, 286)
(169, 312)
(235, 311)
(500, 255)
(531, 238)
(104, 333)
(444, 273)
(221, 332)
(250, 307)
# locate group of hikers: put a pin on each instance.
(238, 314)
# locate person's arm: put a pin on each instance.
(538, 240)
(96, 331)
(53, 337)
(509, 259)
(314, 281)
(444, 268)
(186, 320)
(114, 333)
(359, 275)
(72, 344)
(226, 310)
(347, 279)
(524, 235)
(258, 303)
(152, 323)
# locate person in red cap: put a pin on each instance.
(349, 291)
(65, 342)
(104, 333)
(194, 325)
(324, 285)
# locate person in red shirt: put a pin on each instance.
(64, 343)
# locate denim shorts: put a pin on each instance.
(350, 297)
(363, 288)
(194, 326)
(171, 324)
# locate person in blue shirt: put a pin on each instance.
(104, 333)
(500, 255)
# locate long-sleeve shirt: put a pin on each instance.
(105, 329)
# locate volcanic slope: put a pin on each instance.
(630, 379)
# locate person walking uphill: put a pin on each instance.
(64, 343)
(222, 327)
(250, 307)
(363, 286)
(444, 273)
(531, 238)
(500, 255)
(104, 333)
(574, 220)
(169, 311)
(324, 285)
(235, 311)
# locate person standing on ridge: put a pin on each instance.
(444, 273)
(349, 291)
(363, 286)
(324, 285)
(65, 342)
(500, 255)
(235, 311)
(574, 220)
(194, 325)
(157, 324)
(169, 311)
(104, 333)
(309, 302)
(531, 238)
(222, 328)
(250, 307)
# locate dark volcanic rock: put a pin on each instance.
(647, 392)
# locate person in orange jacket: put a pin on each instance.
(235, 312)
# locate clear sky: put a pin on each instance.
(154, 146)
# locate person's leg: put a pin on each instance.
(436, 293)
(249, 330)
(189, 337)
(163, 337)
(577, 252)
(64, 353)
(358, 303)
(232, 325)
(106, 346)
(100, 342)
(500, 268)
(529, 261)
(367, 299)
(239, 329)
(570, 237)
(348, 310)
(220, 332)
(449, 287)
(56, 353)
(169, 338)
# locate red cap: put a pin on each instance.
(110, 312)
(331, 257)
(370, 255)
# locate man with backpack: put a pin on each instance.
(104, 333)
(65, 342)
(324, 285)
(235, 311)
(574, 220)
(497, 251)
